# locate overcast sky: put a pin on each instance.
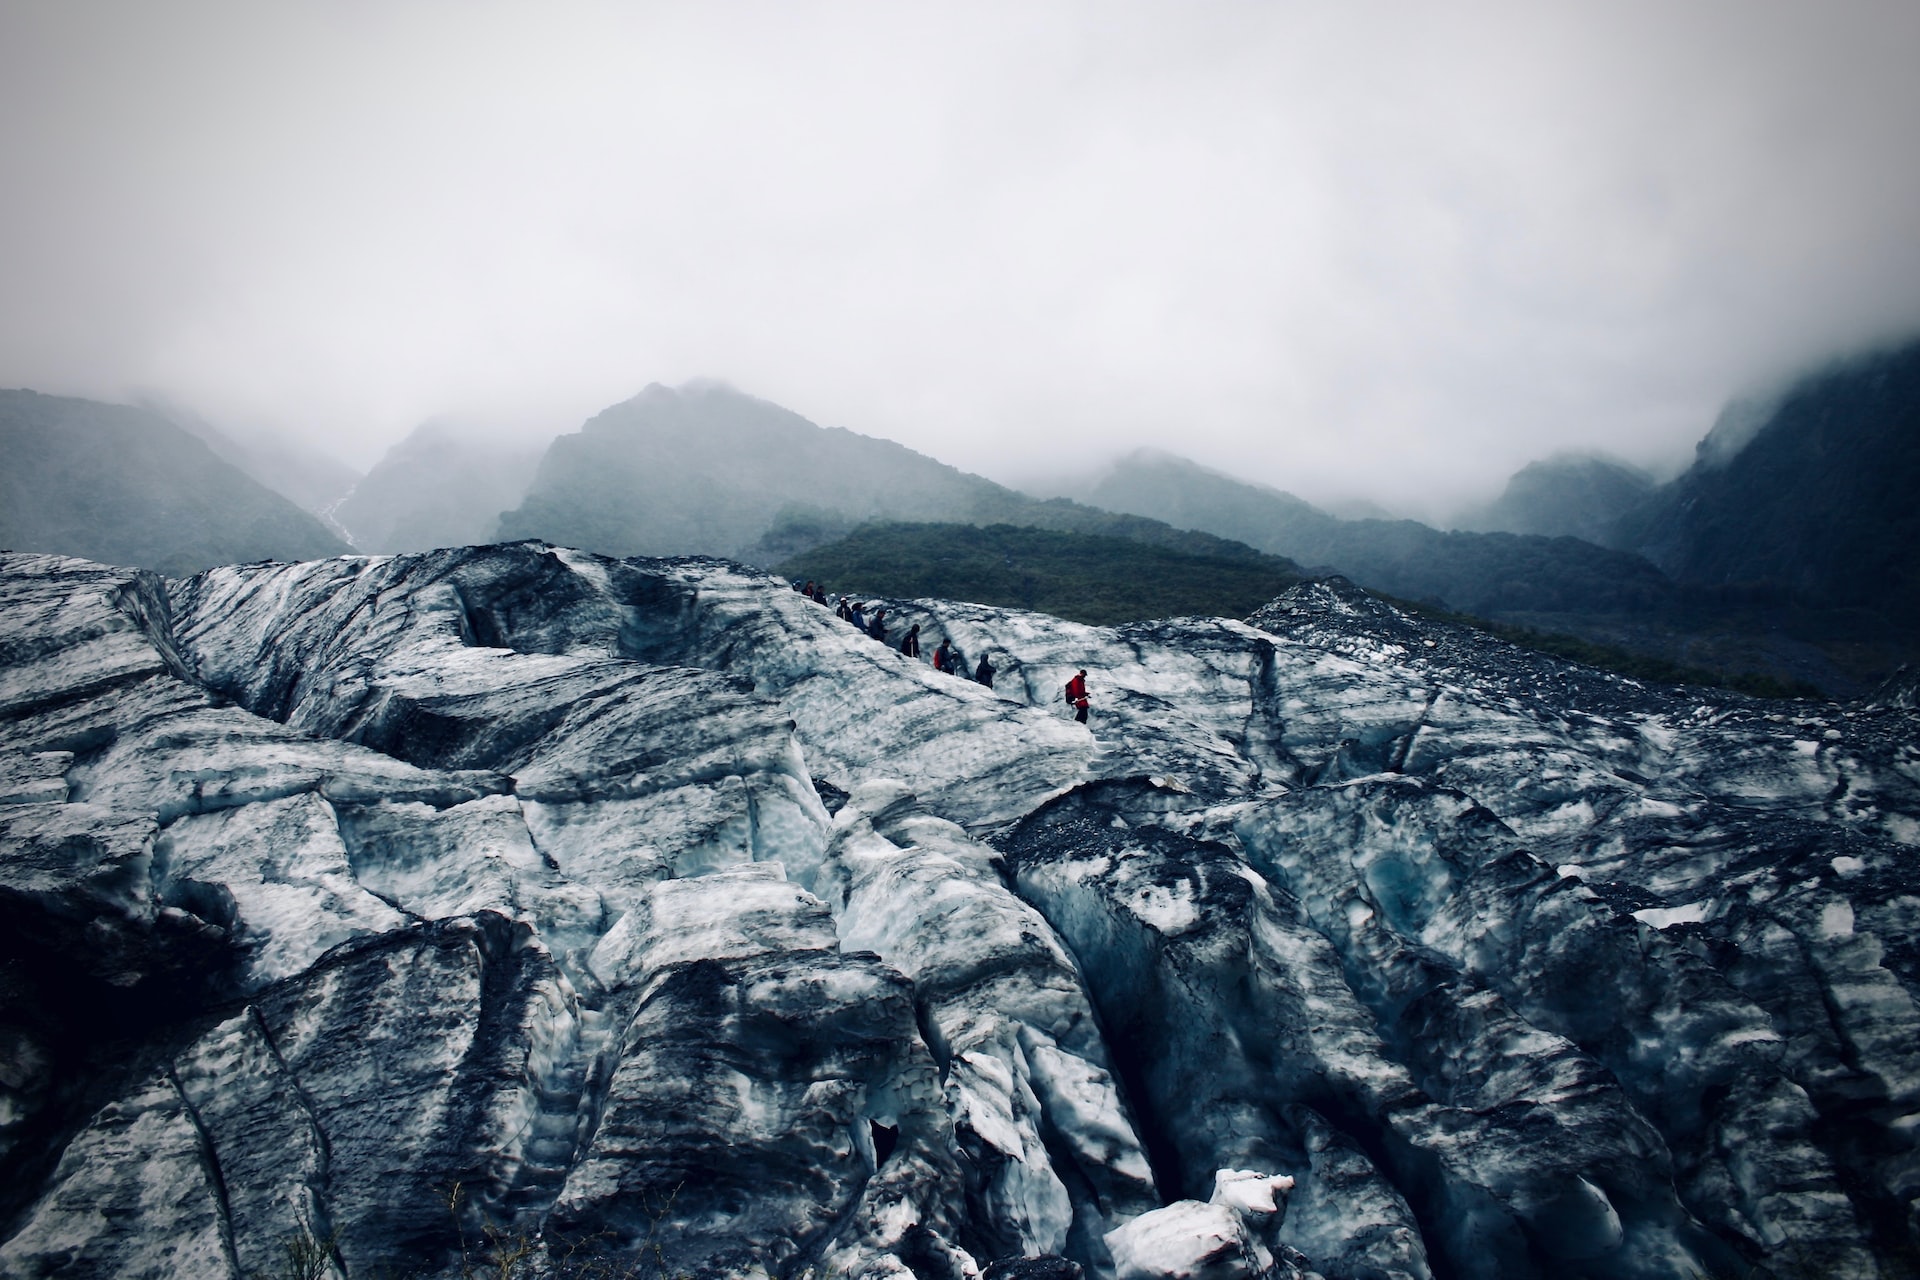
(1346, 248)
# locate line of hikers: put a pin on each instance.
(946, 656)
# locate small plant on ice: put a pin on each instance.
(499, 1254)
(303, 1254)
(515, 1255)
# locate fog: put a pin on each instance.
(1391, 251)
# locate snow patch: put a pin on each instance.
(1668, 917)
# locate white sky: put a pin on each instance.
(1352, 248)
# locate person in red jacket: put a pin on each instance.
(1077, 695)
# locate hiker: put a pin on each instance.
(845, 611)
(942, 656)
(807, 590)
(878, 627)
(857, 615)
(911, 645)
(1077, 695)
(983, 674)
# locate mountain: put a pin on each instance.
(1079, 576)
(313, 480)
(125, 486)
(1168, 487)
(518, 911)
(705, 469)
(439, 487)
(1807, 500)
(1570, 495)
(1491, 574)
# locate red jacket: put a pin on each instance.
(1077, 691)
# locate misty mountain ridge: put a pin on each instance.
(126, 486)
(1188, 488)
(311, 478)
(1799, 501)
(705, 469)
(1481, 573)
(1796, 503)
(441, 486)
(1734, 429)
(1816, 509)
(1577, 495)
(1791, 545)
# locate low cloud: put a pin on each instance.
(1383, 250)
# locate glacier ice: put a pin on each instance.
(644, 909)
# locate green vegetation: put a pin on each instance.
(1624, 662)
(1109, 580)
(304, 1255)
(1083, 577)
(800, 527)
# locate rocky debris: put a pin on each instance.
(1900, 689)
(642, 912)
(1042, 1267)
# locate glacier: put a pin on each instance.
(577, 916)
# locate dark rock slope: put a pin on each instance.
(641, 916)
(1809, 499)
